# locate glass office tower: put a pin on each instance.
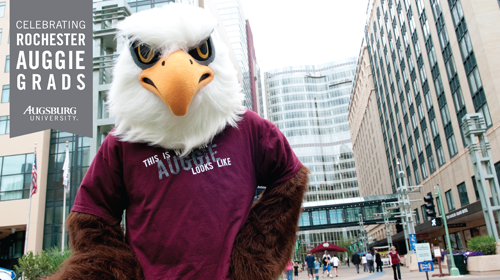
(310, 104)
(231, 13)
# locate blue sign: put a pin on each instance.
(425, 266)
(413, 241)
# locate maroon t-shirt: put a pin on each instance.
(183, 214)
(394, 257)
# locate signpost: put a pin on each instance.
(437, 255)
(424, 258)
(426, 267)
(413, 241)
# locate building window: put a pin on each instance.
(336, 216)
(440, 156)
(15, 176)
(457, 13)
(449, 201)
(485, 111)
(7, 64)
(79, 155)
(417, 216)
(462, 194)
(432, 165)
(304, 220)
(424, 213)
(452, 145)
(2, 9)
(417, 177)
(6, 94)
(319, 217)
(4, 125)
(423, 168)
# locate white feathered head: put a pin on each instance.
(173, 83)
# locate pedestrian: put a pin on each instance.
(356, 260)
(369, 261)
(326, 264)
(310, 266)
(395, 262)
(335, 263)
(364, 263)
(316, 268)
(378, 260)
(348, 262)
(289, 270)
(296, 271)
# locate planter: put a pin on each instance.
(459, 263)
(484, 265)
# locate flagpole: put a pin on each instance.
(64, 218)
(66, 189)
(29, 213)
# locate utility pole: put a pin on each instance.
(474, 130)
(453, 270)
(362, 233)
(386, 215)
(406, 213)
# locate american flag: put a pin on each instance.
(33, 177)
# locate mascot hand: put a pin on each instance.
(99, 251)
(265, 243)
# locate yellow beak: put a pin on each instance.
(176, 79)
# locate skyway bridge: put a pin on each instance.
(340, 213)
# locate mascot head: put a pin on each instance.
(173, 83)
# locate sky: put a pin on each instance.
(293, 32)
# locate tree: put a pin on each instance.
(41, 265)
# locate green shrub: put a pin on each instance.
(41, 265)
(485, 244)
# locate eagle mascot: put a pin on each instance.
(183, 162)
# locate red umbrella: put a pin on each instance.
(328, 247)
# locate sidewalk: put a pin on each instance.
(349, 273)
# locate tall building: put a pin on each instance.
(433, 62)
(369, 151)
(16, 161)
(309, 104)
(241, 38)
(254, 75)
(16, 155)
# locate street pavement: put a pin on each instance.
(349, 273)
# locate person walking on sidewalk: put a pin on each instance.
(289, 270)
(395, 262)
(356, 260)
(364, 263)
(316, 268)
(296, 271)
(326, 264)
(369, 261)
(310, 266)
(378, 261)
(335, 263)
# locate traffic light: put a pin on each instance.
(436, 222)
(429, 205)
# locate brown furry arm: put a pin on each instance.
(99, 251)
(264, 244)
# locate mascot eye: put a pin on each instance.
(204, 53)
(145, 53)
(144, 56)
